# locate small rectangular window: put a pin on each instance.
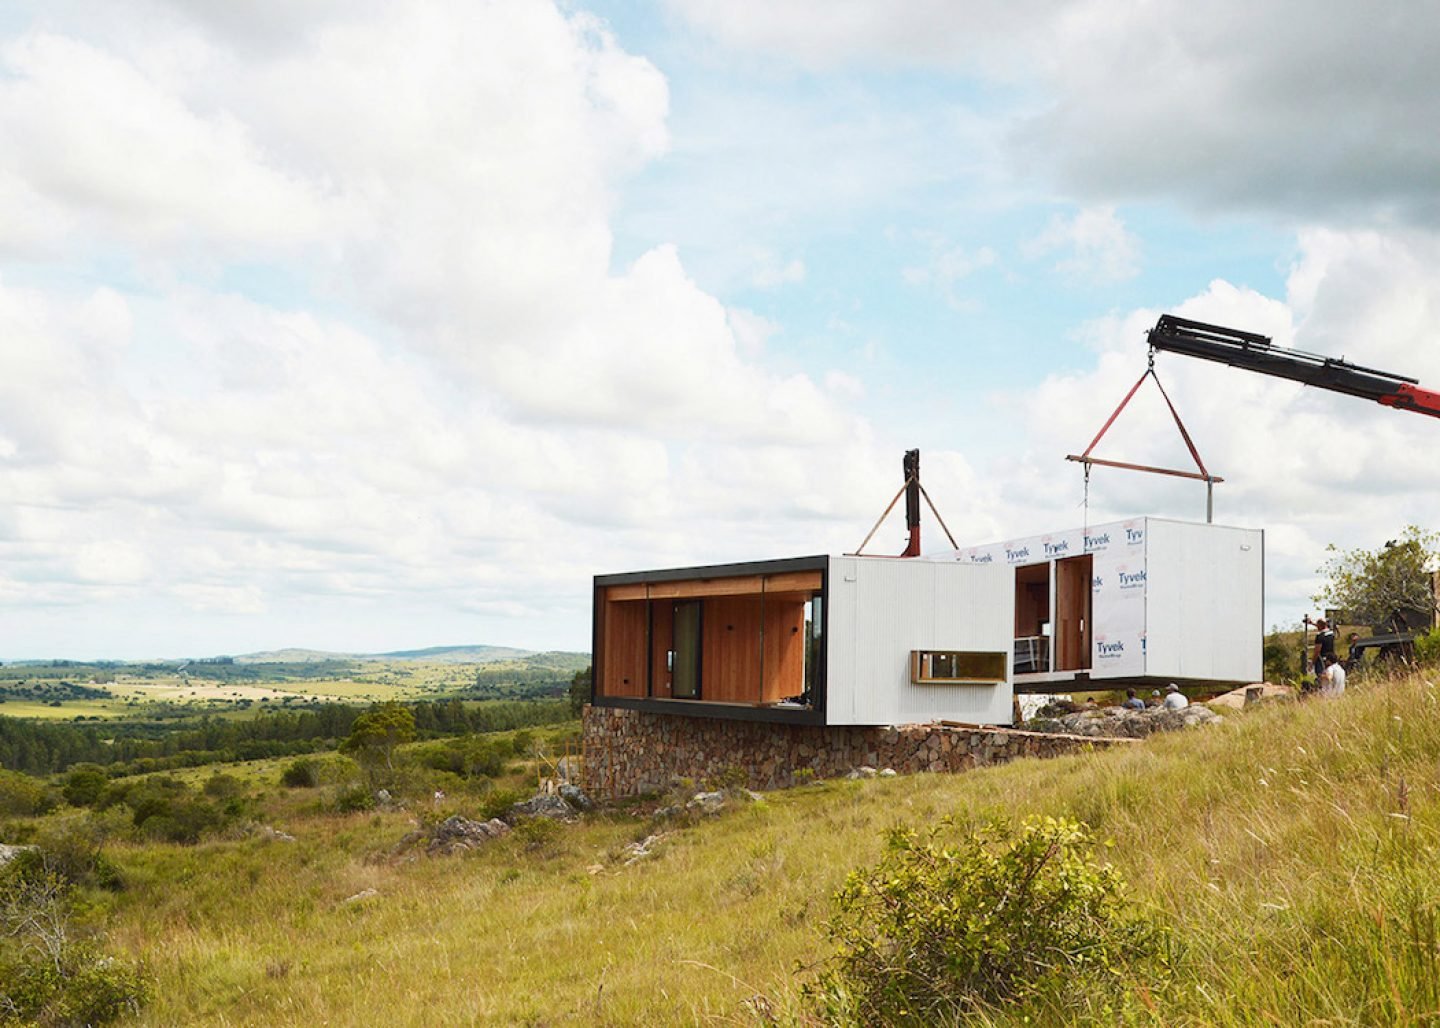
(957, 667)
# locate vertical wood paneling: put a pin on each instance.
(623, 648)
(730, 654)
(661, 640)
(784, 645)
(1072, 614)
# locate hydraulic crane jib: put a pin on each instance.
(1254, 352)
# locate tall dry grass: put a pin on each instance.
(1292, 849)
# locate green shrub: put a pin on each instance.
(354, 798)
(221, 786)
(497, 802)
(45, 977)
(20, 794)
(936, 932)
(1427, 648)
(72, 847)
(85, 784)
(469, 756)
(303, 773)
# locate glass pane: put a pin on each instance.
(686, 669)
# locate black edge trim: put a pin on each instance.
(595, 643)
(756, 567)
(821, 699)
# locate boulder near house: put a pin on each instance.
(831, 662)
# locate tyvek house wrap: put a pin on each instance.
(1206, 603)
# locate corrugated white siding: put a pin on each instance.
(1204, 594)
(881, 609)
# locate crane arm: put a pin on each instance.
(1256, 353)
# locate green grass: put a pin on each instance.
(1293, 850)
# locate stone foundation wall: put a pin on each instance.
(631, 752)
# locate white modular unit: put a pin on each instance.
(1204, 601)
(883, 610)
(1142, 600)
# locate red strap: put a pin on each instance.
(1180, 425)
(1149, 373)
(1118, 409)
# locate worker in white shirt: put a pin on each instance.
(1174, 698)
(1332, 679)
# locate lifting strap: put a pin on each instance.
(933, 509)
(1085, 458)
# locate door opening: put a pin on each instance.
(1072, 613)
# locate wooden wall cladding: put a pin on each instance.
(662, 624)
(636, 633)
(793, 581)
(623, 628)
(784, 646)
(730, 650)
(743, 586)
(1072, 613)
(696, 588)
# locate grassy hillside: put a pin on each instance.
(1293, 850)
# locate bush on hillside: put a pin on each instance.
(937, 930)
(85, 784)
(22, 795)
(1427, 648)
(303, 773)
(72, 847)
(46, 977)
(469, 756)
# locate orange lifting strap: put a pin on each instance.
(1085, 458)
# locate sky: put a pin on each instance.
(364, 326)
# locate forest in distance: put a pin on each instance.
(135, 718)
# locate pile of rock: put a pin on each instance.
(456, 834)
(565, 804)
(1120, 723)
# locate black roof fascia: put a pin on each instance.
(755, 567)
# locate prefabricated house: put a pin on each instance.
(1141, 602)
(849, 640)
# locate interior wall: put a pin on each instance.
(1072, 614)
(623, 630)
(784, 646)
(1032, 599)
(730, 650)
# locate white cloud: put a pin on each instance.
(820, 35)
(1312, 467)
(438, 392)
(772, 271)
(89, 135)
(1095, 244)
(1309, 109)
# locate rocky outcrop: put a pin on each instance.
(454, 835)
(9, 853)
(632, 752)
(1117, 722)
(458, 833)
(543, 804)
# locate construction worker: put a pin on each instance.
(1324, 645)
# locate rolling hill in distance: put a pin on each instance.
(466, 654)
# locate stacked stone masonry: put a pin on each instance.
(632, 752)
